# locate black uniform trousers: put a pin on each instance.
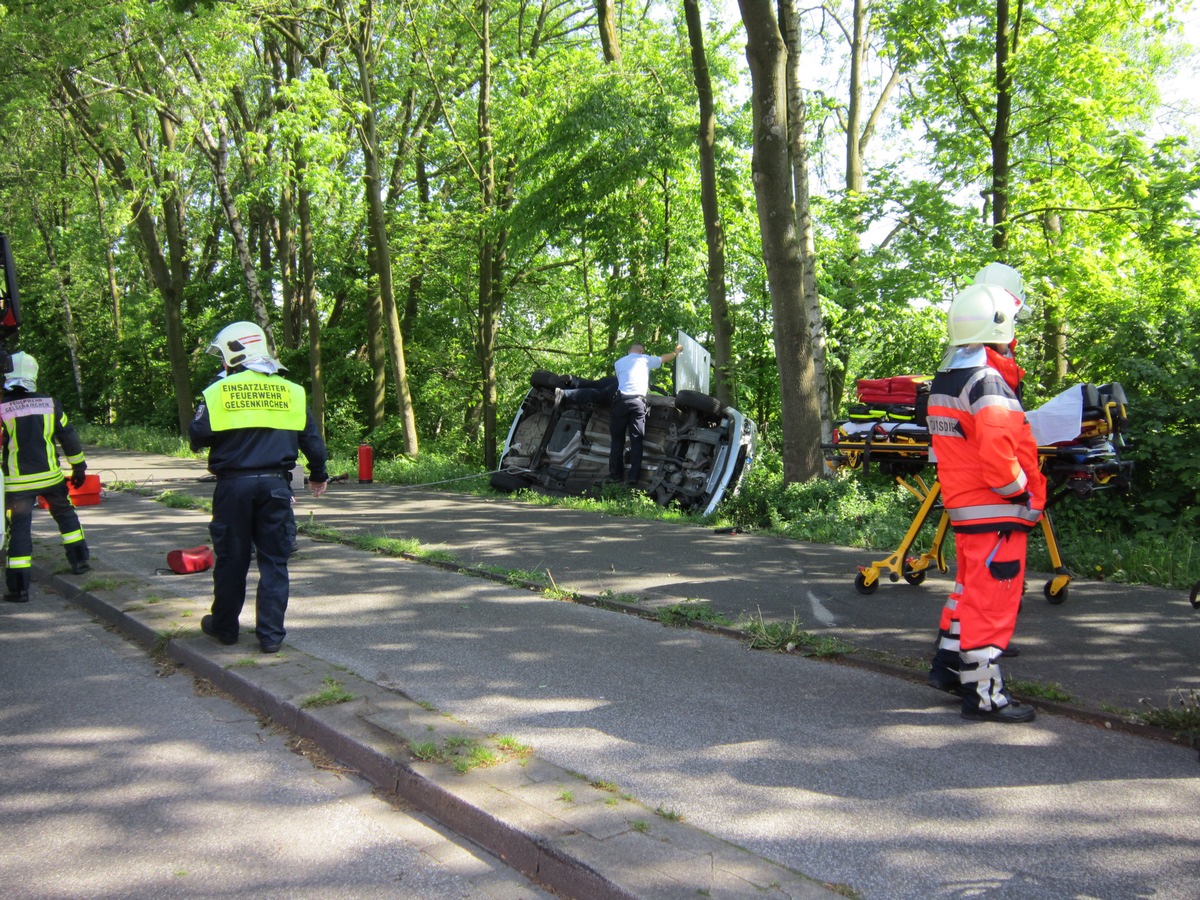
(20, 531)
(628, 415)
(251, 512)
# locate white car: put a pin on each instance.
(695, 451)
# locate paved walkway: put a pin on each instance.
(788, 772)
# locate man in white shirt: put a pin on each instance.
(629, 409)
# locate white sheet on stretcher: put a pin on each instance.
(1059, 418)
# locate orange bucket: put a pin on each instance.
(88, 495)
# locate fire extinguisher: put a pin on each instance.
(366, 463)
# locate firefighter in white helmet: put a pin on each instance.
(254, 423)
(992, 488)
(33, 423)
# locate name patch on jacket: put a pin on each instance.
(255, 395)
(26, 406)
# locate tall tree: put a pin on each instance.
(772, 172)
(714, 231)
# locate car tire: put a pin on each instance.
(508, 483)
(701, 403)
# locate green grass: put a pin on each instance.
(331, 694)
(183, 501)
(138, 438)
(1181, 716)
(463, 753)
(683, 614)
(787, 637)
(1039, 690)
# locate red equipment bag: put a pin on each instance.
(185, 562)
(895, 391)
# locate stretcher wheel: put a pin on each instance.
(1055, 598)
(914, 577)
(1195, 597)
(860, 584)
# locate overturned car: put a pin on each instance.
(695, 451)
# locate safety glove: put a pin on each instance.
(78, 473)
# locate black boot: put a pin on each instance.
(77, 557)
(943, 672)
(985, 698)
(16, 586)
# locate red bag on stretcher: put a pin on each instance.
(895, 391)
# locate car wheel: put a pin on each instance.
(702, 403)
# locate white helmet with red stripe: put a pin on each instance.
(1003, 276)
(982, 314)
(240, 343)
(24, 372)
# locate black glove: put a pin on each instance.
(78, 473)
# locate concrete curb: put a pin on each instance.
(574, 838)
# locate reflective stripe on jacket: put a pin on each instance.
(32, 423)
(987, 458)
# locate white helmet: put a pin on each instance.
(24, 372)
(1002, 276)
(982, 314)
(239, 343)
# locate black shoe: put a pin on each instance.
(271, 648)
(206, 625)
(1012, 711)
(79, 567)
(944, 680)
(16, 596)
(1010, 650)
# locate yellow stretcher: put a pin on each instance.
(1089, 463)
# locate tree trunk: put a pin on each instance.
(798, 145)
(169, 274)
(485, 342)
(216, 149)
(377, 227)
(606, 21)
(1000, 144)
(61, 280)
(771, 168)
(308, 296)
(714, 230)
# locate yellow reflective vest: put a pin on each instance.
(253, 400)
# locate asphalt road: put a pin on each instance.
(120, 779)
(850, 776)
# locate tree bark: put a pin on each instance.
(1000, 141)
(606, 22)
(798, 145)
(485, 341)
(714, 230)
(771, 168)
(61, 280)
(377, 227)
(169, 273)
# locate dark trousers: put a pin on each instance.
(20, 531)
(628, 416)
(251, 512)
(584, 391)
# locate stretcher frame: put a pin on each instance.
(903, 453)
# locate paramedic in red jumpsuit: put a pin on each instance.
(993, 491)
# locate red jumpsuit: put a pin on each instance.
(994, 493)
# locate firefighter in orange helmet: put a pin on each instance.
(993, 491)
